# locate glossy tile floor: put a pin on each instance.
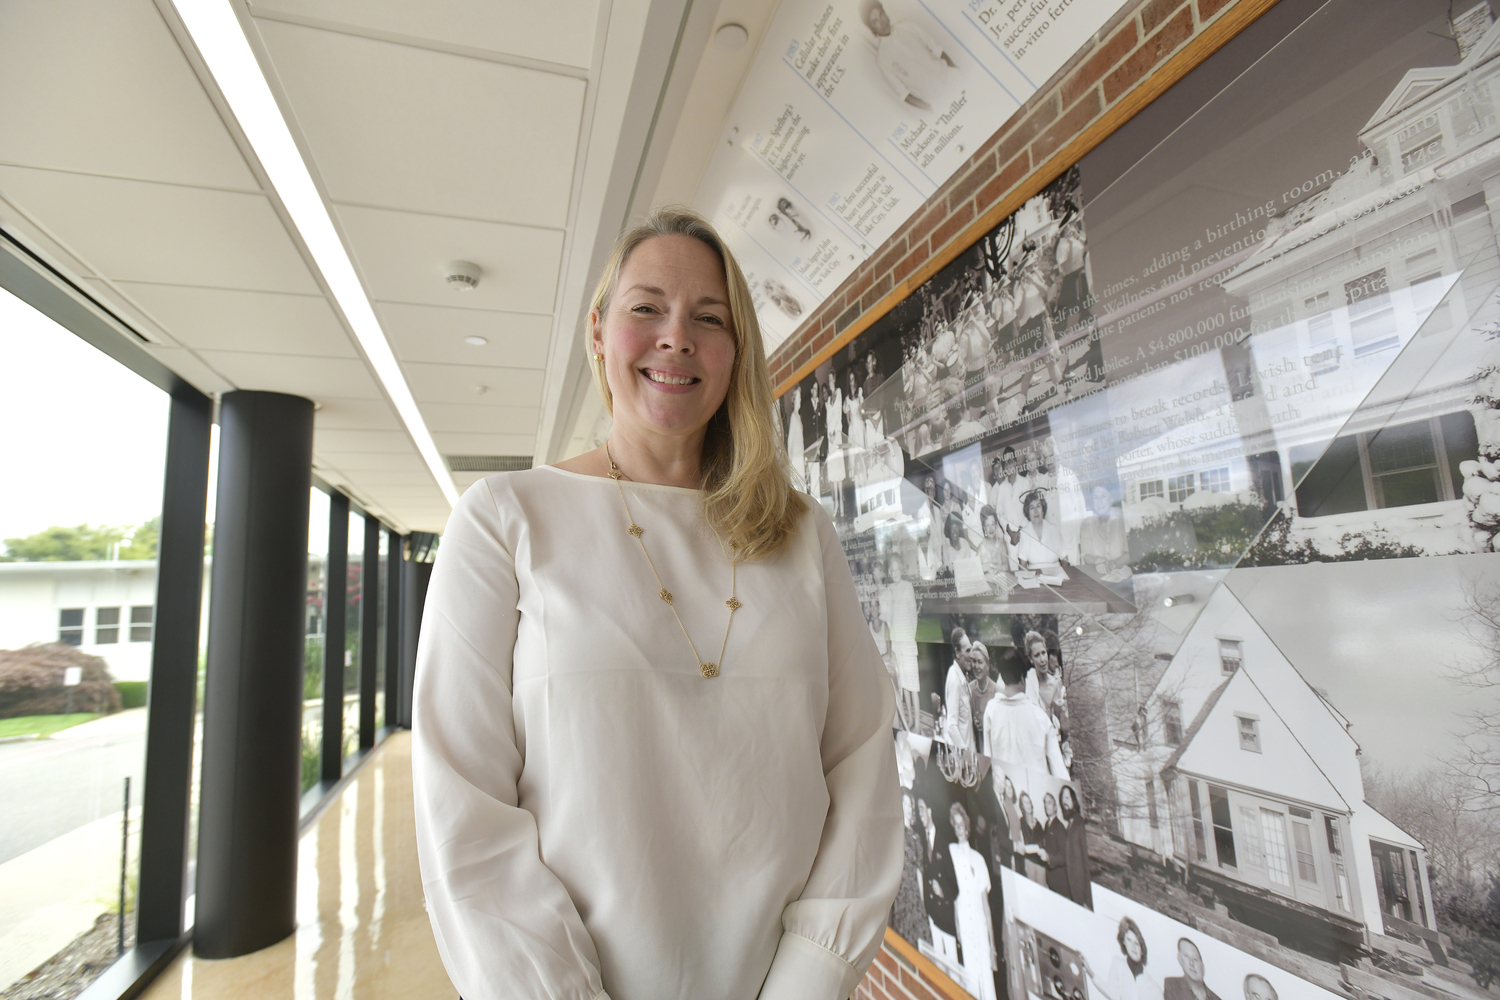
(362, 932)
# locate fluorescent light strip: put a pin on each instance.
(216, 31)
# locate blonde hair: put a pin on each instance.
(748, 497)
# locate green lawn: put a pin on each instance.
(42, 725)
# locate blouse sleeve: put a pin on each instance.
(505, 925)
(833, 931)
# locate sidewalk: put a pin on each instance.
(127, 722)
(50, 895)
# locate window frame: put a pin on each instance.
(1255, 744)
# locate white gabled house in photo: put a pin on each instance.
(1264, 801)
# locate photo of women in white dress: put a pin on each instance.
(971, 910)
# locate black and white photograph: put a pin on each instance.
(1125, 951)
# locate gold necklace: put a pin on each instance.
(708, 669)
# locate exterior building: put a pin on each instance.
(1377, 289)
(104, 607)
(1252, 786)
(1366, 302)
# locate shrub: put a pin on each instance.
(132, 693)
(31, 682)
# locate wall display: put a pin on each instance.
(1172, 503)
(853, 114)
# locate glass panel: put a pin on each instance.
(1461, 442)
(382, 586)
(1330, 482)
(1307, 865)
(72, 696)
(353, 609)
(1218, 805)
(312, 662)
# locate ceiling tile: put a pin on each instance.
(485, 444)
(191, 367)
(354, 414)
(402, 255)
(258, 322)
(482, 419)
(429, 131)
(356, 461)
(327, 440)
(431, 333)
(108, 91)
(135, 231)
(381, 480)
(314, 378)
(560, 31)
(113, 298)
(452, 383)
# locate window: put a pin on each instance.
(1249, 727)
(1171, 721)
(106, 626)
(1151, 815)
(1218, 807)
(1151, 488)
(1336, 855)
(1179, 488)
(70, 626)
(1231, 655)
(140, 623)
(1273, 841)
(1372, 315)
(1307, 864)
(1396, 466)
(1322, 335)
(1196, 804)
(1214, 481)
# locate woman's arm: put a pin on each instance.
(505, 926)
(832, 932)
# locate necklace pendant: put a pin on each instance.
(709, 670)
(614, 474)
(666, 595)
(636, 530)
(733, 605)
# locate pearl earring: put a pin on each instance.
(598, 356)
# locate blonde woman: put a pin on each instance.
(651, 733)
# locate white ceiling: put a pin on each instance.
(515, 134)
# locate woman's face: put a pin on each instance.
(1102, 502)
(1132, 945)
(1039, 657)
(930, 488)
(1010, 790)
(960, 824)
(991, 526)
(667, 338)
(1027, 809)
(1034, 512)
(955, 531)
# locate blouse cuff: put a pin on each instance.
(805, 970)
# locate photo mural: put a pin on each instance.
(1172, 505)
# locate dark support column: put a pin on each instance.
(414, 577)
(392, 663)
(335, 618)
(174, 673)
(369, 631)
(252, 719)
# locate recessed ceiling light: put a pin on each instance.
(217, 33)
(475, 341)
(731, 37)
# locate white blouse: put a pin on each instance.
(592, 814)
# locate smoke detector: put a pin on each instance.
(461, 275)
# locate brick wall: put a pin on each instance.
(1141, 52)
(899, 973)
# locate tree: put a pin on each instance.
(1478, 760)
(85, 542)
